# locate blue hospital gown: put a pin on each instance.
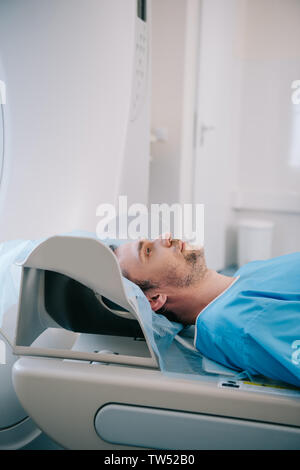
(255, 324)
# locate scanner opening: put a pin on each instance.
(75, 307)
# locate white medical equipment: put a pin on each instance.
(76, 122)
(91, 379)
(77, 112)
(77, 75)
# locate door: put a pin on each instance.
(219, 81)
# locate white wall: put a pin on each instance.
(175, 175)
(70, 145)
(174, 60)
(256, 174)
(168, 32)
(218, 111)
(269, 173)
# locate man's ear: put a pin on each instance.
(157, 301)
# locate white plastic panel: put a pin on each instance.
(167, 429)
(11, 412)
(87, 261)
(56, 402)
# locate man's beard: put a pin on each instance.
(192, 257)
(194, 272)
(195, 259)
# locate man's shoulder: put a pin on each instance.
(287, 261)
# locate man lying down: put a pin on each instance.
(249, 322)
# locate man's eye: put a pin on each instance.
(148, 251)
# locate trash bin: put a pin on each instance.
(255, 239)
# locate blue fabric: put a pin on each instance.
(255, 324)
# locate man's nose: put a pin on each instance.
(165, 239)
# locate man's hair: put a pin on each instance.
(145, 286)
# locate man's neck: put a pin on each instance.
(190, 301)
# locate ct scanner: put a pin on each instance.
(94, 381)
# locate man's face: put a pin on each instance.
(162, 261)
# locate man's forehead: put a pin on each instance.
(126, 249)
(127, 255)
